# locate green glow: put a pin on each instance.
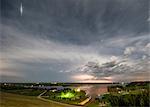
(67, 95)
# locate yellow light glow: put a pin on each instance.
(78, 90)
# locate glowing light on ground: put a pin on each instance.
(67, 95)
(78, 90)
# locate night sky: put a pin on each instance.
(74, 40)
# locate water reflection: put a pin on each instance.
(94, 90)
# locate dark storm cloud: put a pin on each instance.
(53, 36)
(78, 21)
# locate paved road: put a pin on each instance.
(54, 102)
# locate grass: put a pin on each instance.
(94, 104)
(14, 100)
(27, 92)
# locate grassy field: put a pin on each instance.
(13, 100)
(26, 92)
(21, 90)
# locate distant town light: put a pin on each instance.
(122, 83)
(54, 82)
(54, 90)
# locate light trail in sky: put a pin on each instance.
(21, 9)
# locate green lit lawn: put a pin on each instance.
(67, 95)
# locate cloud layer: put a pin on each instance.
(51, 39)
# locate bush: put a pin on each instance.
(140, 99)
